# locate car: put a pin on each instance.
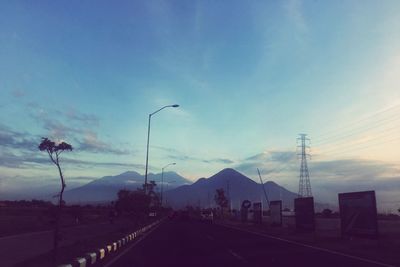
(207, 215)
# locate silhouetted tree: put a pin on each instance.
(220, 198)
(54, 151)
(136, 202)
(327, 212)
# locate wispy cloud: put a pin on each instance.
(200, 160)
(91, 143)
(17, 140)
(31, 160)
(75, 115)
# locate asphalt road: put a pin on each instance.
(181, 243)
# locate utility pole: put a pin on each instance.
(262, 185)
(304, 182)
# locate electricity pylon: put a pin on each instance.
(304, 183)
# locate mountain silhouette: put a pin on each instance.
(105, 189)
(237, 187)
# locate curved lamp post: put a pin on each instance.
(148, 141)
(162, 180)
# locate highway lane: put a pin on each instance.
(180, 243)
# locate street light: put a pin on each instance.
(162, 180)
(148, 141)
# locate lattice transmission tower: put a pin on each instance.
(304, 182)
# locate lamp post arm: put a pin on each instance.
(160, 110)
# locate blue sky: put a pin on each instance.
(249, 78)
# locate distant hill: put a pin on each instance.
(201, 193)
(105, 189)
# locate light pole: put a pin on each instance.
(162, 180)
(148, 141)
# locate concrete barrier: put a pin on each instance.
(91, 258)
(80, 262)
(102, 253)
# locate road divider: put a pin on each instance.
(92, 258)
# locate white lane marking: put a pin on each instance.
(309, 246)
(117, 257)
(236, 255)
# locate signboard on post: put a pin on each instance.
(276, 212)
(244, 211)
(358, 214)
(304, 209)
(257, 212)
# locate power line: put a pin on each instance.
(358, 130)
(362, 120)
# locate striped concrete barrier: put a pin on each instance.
(102, 253)
(91, 258)
(80, 262)
(94, 257)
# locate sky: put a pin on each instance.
(249, 77)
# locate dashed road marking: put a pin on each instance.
(237, 256)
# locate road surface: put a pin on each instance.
(191, 243)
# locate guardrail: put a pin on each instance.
(100, 254)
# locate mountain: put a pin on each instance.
(236, 185)
(105, 189)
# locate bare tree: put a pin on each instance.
(220, 198)
(54, 151)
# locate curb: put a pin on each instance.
(91, 258)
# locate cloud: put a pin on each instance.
(219, 160)
(75, 115)
(17, 140)
(269, 162)
(73, 125)
(177, 155)
(208, 161)
(11, 160)
(91, 143)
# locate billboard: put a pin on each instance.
(244, 211)
(257, 212)
(276, 212)
(358, 214)
(304, 210)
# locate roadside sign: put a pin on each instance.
(276, 212)
(358, 214)
(257, 212)
(304, 210)
(244, 211)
